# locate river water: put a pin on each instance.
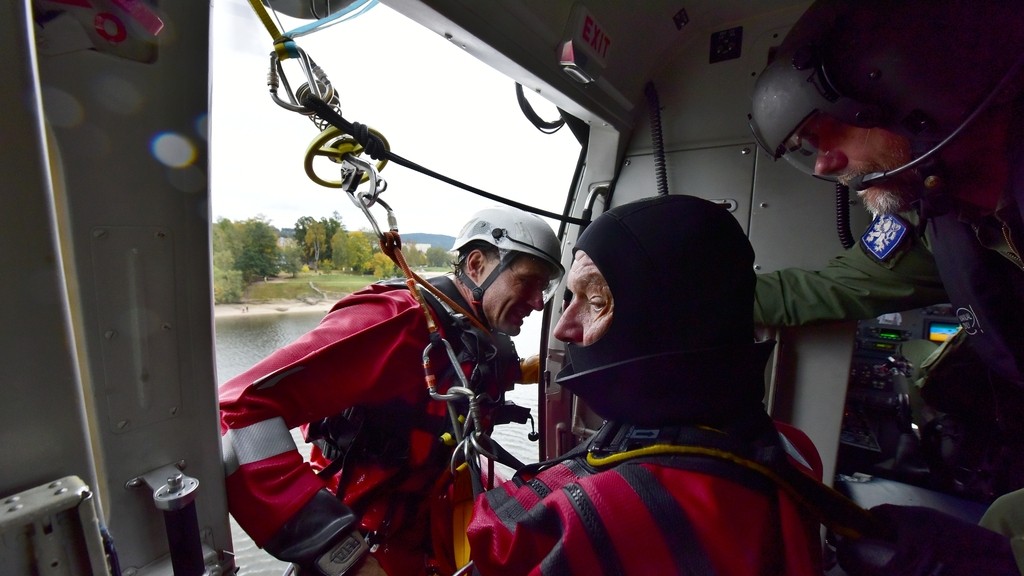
(243, 340)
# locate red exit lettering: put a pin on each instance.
(594, 36)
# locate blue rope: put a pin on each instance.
(358, 7)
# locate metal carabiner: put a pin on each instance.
(356, 168)
(454, 392)
(317, 82)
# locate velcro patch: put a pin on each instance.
(884, 235)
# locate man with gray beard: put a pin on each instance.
(918, 107)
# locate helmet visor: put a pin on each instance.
(546, 284)
(549, 289)
(801, 147)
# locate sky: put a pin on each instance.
(436, 105)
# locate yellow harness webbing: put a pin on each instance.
(264, 16)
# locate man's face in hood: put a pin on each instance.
(681, 272)
(588, 308)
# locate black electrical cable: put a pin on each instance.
(657, 143)
(531, 115)
(843, 215)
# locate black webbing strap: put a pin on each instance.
(673, 522)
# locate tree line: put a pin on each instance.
(250, 250)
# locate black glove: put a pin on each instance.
(321, 538)
(927, 543)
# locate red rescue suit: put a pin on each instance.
(647, 516)
(366, 352)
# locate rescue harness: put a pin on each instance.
(715, 452)
(381, 433)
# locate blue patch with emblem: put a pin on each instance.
(884, 235)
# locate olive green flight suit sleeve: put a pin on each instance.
(853, 286)
(1006, 516)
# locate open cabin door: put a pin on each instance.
(110, 387)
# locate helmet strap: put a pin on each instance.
(477, 291)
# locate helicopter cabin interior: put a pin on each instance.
(110, 424)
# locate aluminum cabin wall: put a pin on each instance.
(129, 119)
(43, 427)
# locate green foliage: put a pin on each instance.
(227, 286)
(315, 237)
(248, 247)
(381, 266)
(301, 227)
(413, 257)
(291, 258)
(359, 251)
(438, 257)
(280, 289)
(259, 256)
(339, 250)
(335, 286)
(331, 227)
(226, 244)
(246, 253)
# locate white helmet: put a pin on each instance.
(511, 230)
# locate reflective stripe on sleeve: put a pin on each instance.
(271, 380)
(793, 452)
(255, 442)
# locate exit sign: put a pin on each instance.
(588, 34)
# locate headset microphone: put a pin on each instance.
(865, 181)
(875, 178)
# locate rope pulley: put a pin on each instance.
(335, 145)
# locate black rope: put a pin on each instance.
(378, 151)
(654, 109)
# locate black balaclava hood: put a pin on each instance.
(680, 345)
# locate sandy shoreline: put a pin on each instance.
(271, 307)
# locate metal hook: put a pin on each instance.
(355, 168)
(317, 83)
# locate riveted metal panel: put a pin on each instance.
(134, 277)
(721, 174)
(792, 222)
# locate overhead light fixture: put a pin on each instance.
(584, 46)
(573, 63)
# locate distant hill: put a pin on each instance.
(439, 240)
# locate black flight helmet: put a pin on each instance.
(918, 68)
